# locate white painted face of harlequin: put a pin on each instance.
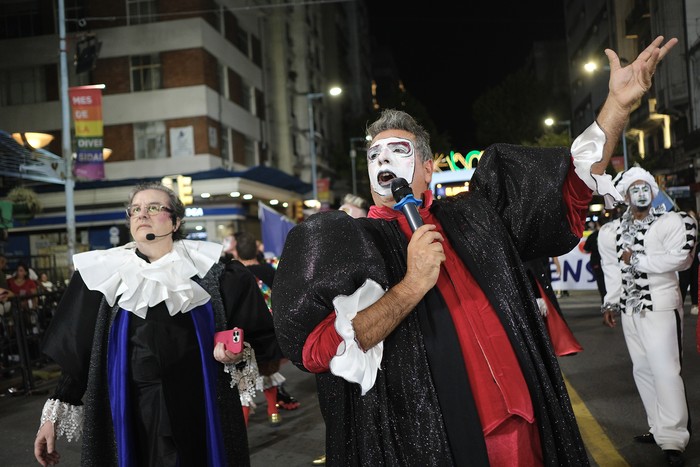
(640, 195)
(387, 159)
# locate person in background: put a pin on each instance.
(229, 244)
(3, 268)
(22, 286)
(641, 254)
(7, 325)
(559, 293)
(45, 285)
(354, 205)
(563, 340)
(142, 380)
(427, 346)
(5, 293)
(688, 278)
(273, 381)
(591, 246)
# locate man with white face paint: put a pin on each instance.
(387, 159)
(428, 345)
(641, 254)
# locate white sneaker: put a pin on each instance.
(694, 310)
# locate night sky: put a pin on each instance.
(450, 51)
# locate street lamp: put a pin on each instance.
(34, 140)
(353, 156)
(549, 121)
(310, 97)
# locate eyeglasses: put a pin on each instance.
(151, 210)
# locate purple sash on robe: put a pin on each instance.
(117, 367)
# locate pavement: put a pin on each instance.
(297, 441)
(605, 400)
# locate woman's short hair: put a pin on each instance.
(175, 204)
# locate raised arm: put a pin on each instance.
(626, 86)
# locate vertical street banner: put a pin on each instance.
(86, 105)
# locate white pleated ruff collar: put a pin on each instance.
(119, 274)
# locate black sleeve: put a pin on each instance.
(69, 390)
(245, 308)
(525, 187)
(68, 340)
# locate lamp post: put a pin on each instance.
(549, 121)
(353, 156)
(65, 136)
(312, 140)
(310, 97)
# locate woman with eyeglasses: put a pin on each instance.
(142, 382)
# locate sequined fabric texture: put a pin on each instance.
(515, 210)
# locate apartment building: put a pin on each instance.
(217, 90)
(663, 134)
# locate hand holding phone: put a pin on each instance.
(232, 339)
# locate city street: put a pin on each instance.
(602, 390)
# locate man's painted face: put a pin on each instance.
(387, 159)
(640, 195)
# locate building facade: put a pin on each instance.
(663, 132)
(208, 89)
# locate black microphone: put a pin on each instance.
(152, 236)
(406, 202)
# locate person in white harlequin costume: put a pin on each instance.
(641, 254)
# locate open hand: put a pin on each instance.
(629, 83)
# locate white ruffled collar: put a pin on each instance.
(119, 273)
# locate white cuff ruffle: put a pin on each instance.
(542, 305)
(351, 362)
(67, 419)
(276, 379)
(586, 150)
(119, 273)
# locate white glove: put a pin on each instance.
(543, 306)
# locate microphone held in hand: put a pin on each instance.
(152, 236)
(406, 202)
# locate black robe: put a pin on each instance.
(77, 340)
(420, 410)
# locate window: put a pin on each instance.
(251, 156)
(226, 153)
(247, 97)
(141, 11)
(149, 140)
(145, 72)
(241, 41)
(20, 19)
(23, 86)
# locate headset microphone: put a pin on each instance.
(406, 202)
(152, 236)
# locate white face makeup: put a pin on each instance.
(387, 159)
(640, 195)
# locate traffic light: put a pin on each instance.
(167, 182)
(184, 189)
(299, 211)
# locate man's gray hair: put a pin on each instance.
(392, 119)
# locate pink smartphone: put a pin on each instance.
(232, 339)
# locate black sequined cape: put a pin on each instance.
(420, 410)
(77, 340)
